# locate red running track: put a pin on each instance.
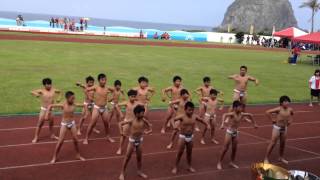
(20, 159)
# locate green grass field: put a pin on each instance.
(23, 64)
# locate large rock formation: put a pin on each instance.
(262, 14)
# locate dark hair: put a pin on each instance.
(206, 79)
(138, 109)
(244, 67)
(189, 104)
(214, 92)
(283, 99)
(69, 94)
(46, 81)
(183, 92)
(89, 78)
(101, 76)
(176, 78)
(117, 83)
(132, 92)
(143, 79)
(236, 104)
(316, 71)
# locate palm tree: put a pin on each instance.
(314, 5)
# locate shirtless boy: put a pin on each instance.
(172, 92)
(88, 103)
(281, 121)
(129, 116)
(67, 124)
(180, 103)
(187, 126)
(138, 127)
(210, 115)
(241, 83)
(101, 93)
(234, 118)
(145, 93)
(116, 96)
(203, 92)
(47, 97)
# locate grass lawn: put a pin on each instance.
(23, 64)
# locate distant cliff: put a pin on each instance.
(262, 14)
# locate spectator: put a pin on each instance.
(314, 84)
(155, 36)
(295, 52)
(141, 34)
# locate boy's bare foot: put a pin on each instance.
(310, 104)
(202, 141)
(141, 174)
(110, 139)
(283, 161)
(79, 132)
(174, 170)
(96, 131)
(119, 152)
(80, 157)
(54, 160)
(85, 141)
(214, 141)
(121, 177)
(266, 161)
(232, 164)
(197, 129)
(35, 140)
(191, 169)
(163, 131)
(219, 166)
(170, 146)
(54, 137)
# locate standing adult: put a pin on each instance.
(296, 51)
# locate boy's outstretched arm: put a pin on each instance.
(36, 92)
(50, 108)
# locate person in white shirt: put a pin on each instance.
(314, 84)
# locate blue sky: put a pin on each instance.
(189, 12)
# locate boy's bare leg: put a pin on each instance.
(213, 128)
(274, 139)
(234, 152)
(139, 162)
(283, 138)
(225, 148)
(173, 136)
(189, 146)
(39, 126)
(105, 119)
(311, 100)
(126, 160)
(95, 116)
(121, 144)
(168, 118)
(62, 134)
(181, 147)
(84, 117)
(202, 141)
(75, 142)
(51, 124)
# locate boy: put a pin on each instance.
(101, 93)
(180, 103)
(172, 92)
(130, 105)
(88, 103)
(241, 83)
(116, 95)
(145, 92)
(211, 105)
(67, 124)
(281, 122)
(314, 84)
(203, 91)
(47, 97)
(187, 126)
(137, 127)
(233, 118)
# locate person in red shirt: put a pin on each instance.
(296, 52)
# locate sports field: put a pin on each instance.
(24, 63)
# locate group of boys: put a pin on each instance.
(180, 116)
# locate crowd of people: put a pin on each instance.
(105, 102)
(69, 24)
